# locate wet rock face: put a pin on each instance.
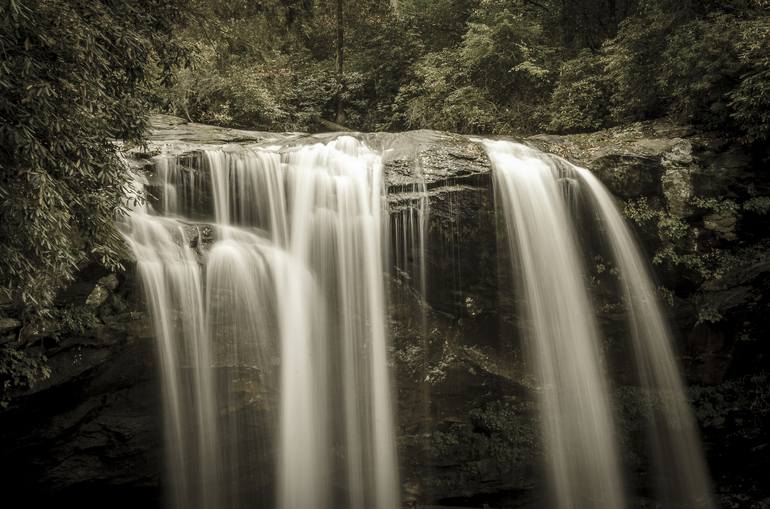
(466, 410)
(453, 175)
(431, 158)
(640, 160)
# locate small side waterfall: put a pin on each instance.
(294, 277)
(680, 467)
(173, 287)
(409, 223)
(537, 191)
(577, 421)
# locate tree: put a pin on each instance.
(73, 81)
(74, 78)
(340, 29)
(578, 101)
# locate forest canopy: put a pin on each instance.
(480, 66)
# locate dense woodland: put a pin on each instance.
(475, 66)
(77, 75)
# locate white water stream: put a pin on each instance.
(294, 277)
(539, 193)
(263, 270)
(563, 338)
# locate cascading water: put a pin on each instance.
(173, 286)
(294, 277)
(681, 473)
(409, 219)
(263, 269)
(577, 421)
(537, 192)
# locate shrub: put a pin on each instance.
(440, 98)
(72, 81)
(579, 102)
(631, 68)
(750, 100)
(698, 69)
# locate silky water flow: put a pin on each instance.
(280, 288)
(263, 270)
(539, 196)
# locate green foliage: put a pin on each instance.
(74, 80)
(19, 370)
(272, 95)
(479, 66)
(24, 364)
(631, 60)
(386, 49)
(273, 66)
(71, 83)
(676, 240)
(750, 100)
(721, 271)
(578, 102)
(509, 433)
(498, 437)
(256, 65)
(440, 24)
(707, 66)
(496, 79)
(438, 98)
(72, 319)
(504, 52)
(745, 398)
(757, 205)
(699, 68)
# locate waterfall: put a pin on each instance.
(275, 307)
(409, 218)
(263, 267)
(680, 467)
(538, 192)
(577, 422)
(173, 282)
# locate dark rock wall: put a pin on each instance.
(466, 411)
(90, 434)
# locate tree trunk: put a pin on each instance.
(339, 114)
